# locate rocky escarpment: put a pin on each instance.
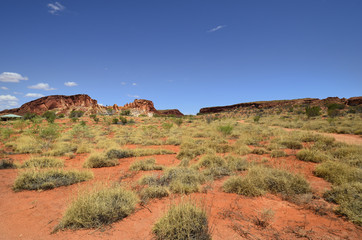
(62, 104)
(59, 104)
(173, 112)
(354, 101)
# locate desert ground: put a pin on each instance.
(207, 151)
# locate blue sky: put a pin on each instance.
(180, 54)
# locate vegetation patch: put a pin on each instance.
(49, 179)
(308, 155)
(183, 221)
(7, 164)
(349, 198)
(261, 179)
(43, 162)
(338, 173)
(277, 153)
(98, 160)
(96, 208)
(145, 165)
(154, 192)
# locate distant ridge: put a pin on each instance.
(353, 101)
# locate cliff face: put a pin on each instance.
(354, 101)
(58, 103)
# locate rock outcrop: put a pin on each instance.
(59, 104)
(143, 105)
(173, 112)
(354, 101)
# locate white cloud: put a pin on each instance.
(4, 88)
(42, 86)
(34, 95)
(18, 93)
(71, 84)
(133, 96)
(216, 28)
(134, 84)
(123, 83)
(11, 77)
(100, 104)
(55, 8)
(8, 101)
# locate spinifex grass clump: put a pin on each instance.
(154, 192)
(7, 164)
(338, 173)
(183, 221)
(48, 179)
(145, 165)
(349, 198)
(260, 180)
(309, 155)
(138, 152)
(99, 207)
(43, 162)
(98, 160)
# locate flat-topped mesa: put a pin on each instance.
(354, 101)
(59, 104)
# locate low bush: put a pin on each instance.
(226, 129)
(98, 160)
(292, 144)
(145, 165)
(183, 221)
(308, 155)
(7, 164)
(277, 153)
(138, 152)
(183, 180)
(236, 163)
(49, 179)
(97, 208)
(338, 173)
(211, 160)
(153, 192)
(241, 149)
(43, 162)
(349, 198)
(259, 151)
(261, 179)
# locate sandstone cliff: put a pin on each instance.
(354, 101)
(59, 104)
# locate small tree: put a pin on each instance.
(123, 120)
(313, 111)
(50, 116)
(256, 118)
(115, 120)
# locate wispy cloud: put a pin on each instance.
(55, 8)
(42, 86)
(71, 84)
(134, 84)
(8, 101)
(216, 28)
(123, 83)
(4, 88)
(133, 96)
(34, 95)
(11, 77)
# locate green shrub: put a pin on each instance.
(261, 179)
(308, 155)
(153, 192)
(277, 153)
(50, 116)
(125, 112)
(145, 165)
(43, 162)
(49, 179)
(7, 164)
(76, 114)
(98, 160)
(182, 222)
(97, 208)
(115, 153)
(226, 129)
(312, 111)
(115, 120)
(349, 198)
(338, 173)
(256, 118)
(123, 120)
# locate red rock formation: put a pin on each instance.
(174, 112)
(143, 105)
(58, 103)
(280, 103)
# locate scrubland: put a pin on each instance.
(220, 176)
